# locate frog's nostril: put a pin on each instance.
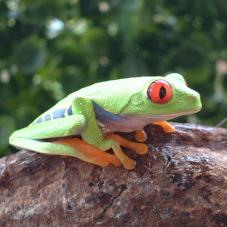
(195, 101)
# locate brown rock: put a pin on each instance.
(182, 181)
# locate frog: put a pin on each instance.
(86, 123)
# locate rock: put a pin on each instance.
(182, 181)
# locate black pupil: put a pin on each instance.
(162, 92)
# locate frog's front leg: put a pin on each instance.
(167, 127)
(92, 134)
(139, 148)
(141, 136)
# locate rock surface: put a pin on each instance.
(182, 181)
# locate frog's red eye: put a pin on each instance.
(159, 92)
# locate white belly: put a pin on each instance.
(128, 123)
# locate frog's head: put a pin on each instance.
(168, 97)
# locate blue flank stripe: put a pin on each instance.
(104, 115)
(60, 113)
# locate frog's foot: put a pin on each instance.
(165, 126)
(115, 142)
(140, 135)
(92, 153)
(139, 148)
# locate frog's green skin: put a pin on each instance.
(118, 105)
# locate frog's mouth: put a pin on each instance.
(129, 123)
(166, 117)
(110, 122)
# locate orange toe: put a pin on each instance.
(139, 148)
(140, 135)
(168, 128)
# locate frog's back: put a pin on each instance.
(106, 88)
(99, 92)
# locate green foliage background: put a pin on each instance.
(51, 48)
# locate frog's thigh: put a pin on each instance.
(67, 126)
(167, 127)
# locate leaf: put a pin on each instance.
(7, 126)
(29, 55)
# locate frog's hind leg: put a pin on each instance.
(62, 148)
(35, 138)
(90, 151)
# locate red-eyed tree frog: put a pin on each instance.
(84, 124)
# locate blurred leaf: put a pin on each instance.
(133, 66)
(51, 48)
(29, 55)
(95, 42)
(7, 125)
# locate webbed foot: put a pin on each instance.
(139, 148)
(119, 141)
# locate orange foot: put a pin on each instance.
(139, 148)
(165, 126)
(91, 153)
